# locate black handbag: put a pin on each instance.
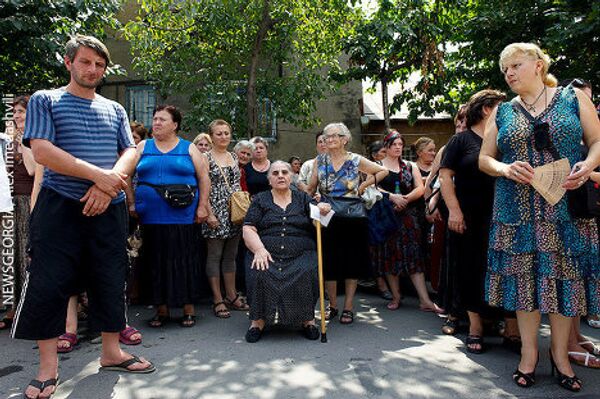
(176, 195)
(382, 221)
(584, 202)
(346, 207)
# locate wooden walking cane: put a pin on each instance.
(321, 285)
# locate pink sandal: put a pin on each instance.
(125, 336)
(393, 305)
(71, 339)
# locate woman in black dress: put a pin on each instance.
(468, 194)
(256, 171)
(282, 275)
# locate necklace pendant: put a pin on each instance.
(531, 108)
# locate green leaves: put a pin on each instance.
(403, 37)
(203, 51)
(455, 46)
(568, 30)
(34, 32)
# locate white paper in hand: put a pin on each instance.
(315, 214)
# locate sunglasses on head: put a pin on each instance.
(541, 138)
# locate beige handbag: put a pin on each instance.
(238, 203)
(238, 206)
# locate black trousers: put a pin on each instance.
(65, 247)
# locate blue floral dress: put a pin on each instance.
(540, 257)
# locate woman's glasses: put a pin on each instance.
(282, 172)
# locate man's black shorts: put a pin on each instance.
(60, 236)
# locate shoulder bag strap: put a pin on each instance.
(222, 174)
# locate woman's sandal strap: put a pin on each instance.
(529, 378)
(347, 314)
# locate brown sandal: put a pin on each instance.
(231, 303)
(221, 313)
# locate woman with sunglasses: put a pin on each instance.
(282, 274)
(540, 259)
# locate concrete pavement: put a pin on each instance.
(384, 354)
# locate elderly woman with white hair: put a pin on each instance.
(282, 274)
(345, 240)
(541, 259)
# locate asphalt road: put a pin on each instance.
(384, 354)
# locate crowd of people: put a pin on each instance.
(467, 216)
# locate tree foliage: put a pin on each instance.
(231, 57)
(33, 34)
(401, 38)
(568, 30)
(455, 45)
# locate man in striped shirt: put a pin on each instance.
(85, 143)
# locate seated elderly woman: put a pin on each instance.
(281, 277)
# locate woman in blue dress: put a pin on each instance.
(171, 250)
(540, 258)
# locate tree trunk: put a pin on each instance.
(251, 98)
(385, 104)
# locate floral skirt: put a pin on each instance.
(548, 266)
(402, 253)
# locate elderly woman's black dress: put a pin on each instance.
(286, 293)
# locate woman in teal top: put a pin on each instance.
(540, 259)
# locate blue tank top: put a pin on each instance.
(156, 167)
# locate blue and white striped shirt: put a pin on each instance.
(95, 131)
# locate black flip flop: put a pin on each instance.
(41, 385)
(122, 367)
(188, 320)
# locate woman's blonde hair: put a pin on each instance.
(218, 122)
(204, 136)
(535, 53)
(421, 143)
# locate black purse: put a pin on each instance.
(345, 207)
(176, 195)
(584, 202)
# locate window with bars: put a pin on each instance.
(267, 118)
(140, 103)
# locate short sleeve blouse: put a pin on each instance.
(343, 182)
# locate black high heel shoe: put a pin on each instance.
(529, 378)
(565, 381)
